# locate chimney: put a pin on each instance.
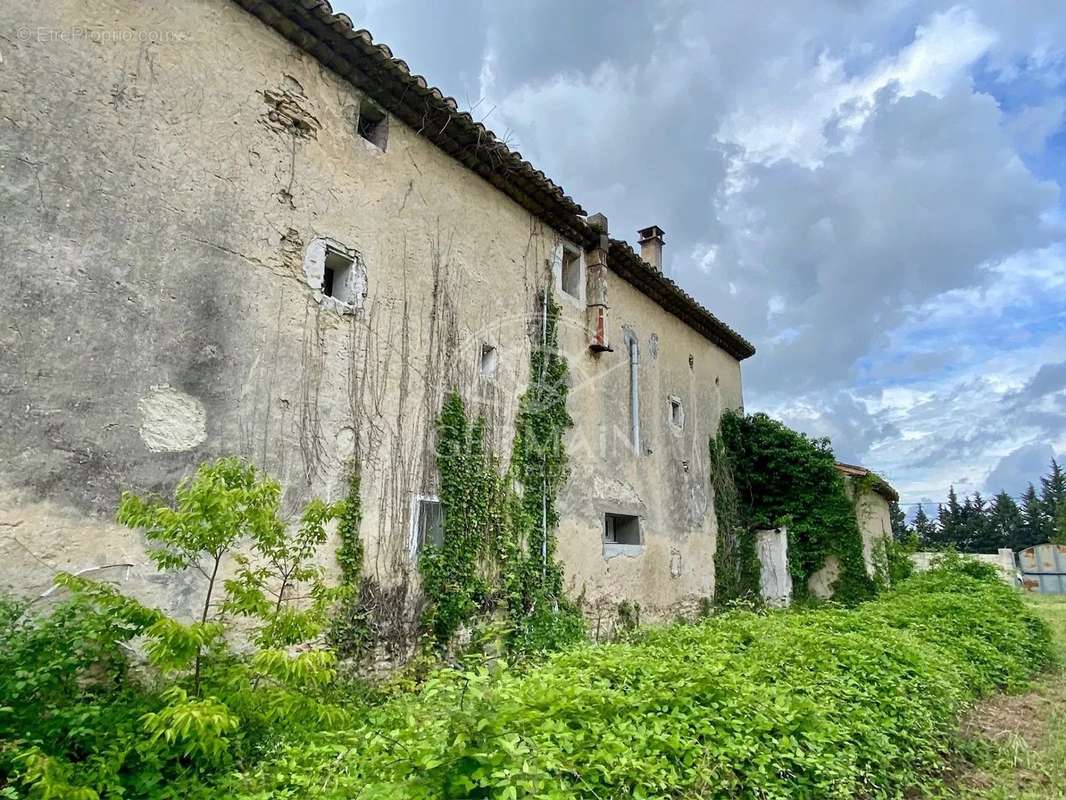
(651, 246)
(597, 310)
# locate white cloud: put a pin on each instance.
(834, 180)
(789, 118)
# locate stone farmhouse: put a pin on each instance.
(871, 496)
(243, 227)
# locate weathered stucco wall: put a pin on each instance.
(666, 482)
(156, 311)
(164, 169)
(875, 525)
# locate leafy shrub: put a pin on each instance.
(892, 561)
(952, 561)
(65, 689)
(780, 477)
(546, 630)
(78, 724)
(72, 713)
(825, 703)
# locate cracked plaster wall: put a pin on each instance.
(667, 484)
(161, 188)
(875, 523)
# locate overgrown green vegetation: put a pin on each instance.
(778, 477)
(542, 617)
(349, 629)
(1013, 747)
(498, 552)
(102, 697)
(892, 562)
(736, 564)
(819, 703)
(824, 703)
(78, 721)
(471, 493)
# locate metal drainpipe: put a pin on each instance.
(634, 400)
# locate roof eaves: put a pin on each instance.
(353, 54)
(879, 484)
(334, 40)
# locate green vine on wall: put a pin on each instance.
(784, 478)
(349, 632)
(451, 579)
(541, 616)
(736, 564)
(891, 558)
(499, 547)
(350, 550)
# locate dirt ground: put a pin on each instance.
(1014, 746)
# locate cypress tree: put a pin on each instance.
(980, 537)
(900, 532)
(1053, 491)
(924, 528)
(1058, 536)
(949, 519)
(966, 534)
(1006, 526)
(1035, 524)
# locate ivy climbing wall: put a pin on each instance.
(172, 320)
(166, 206)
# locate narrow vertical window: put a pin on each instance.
(571, 273)
(488, 361)
(427, 524)
(568, 268)
(677, 412)
(373, 124)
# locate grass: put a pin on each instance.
(1015, 745)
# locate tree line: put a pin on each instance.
(978, 525)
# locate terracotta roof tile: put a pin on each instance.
(880, 485)
(371, 67)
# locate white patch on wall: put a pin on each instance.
(775, 581)
(345, 443)
(171, 421)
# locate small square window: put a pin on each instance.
(488, 361)
(428, 524)
(571, 273)
(677, 412)
(373, 124)
(336, 276)
(621, 529)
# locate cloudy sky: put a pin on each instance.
(869, 191)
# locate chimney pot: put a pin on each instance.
(651, 246)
